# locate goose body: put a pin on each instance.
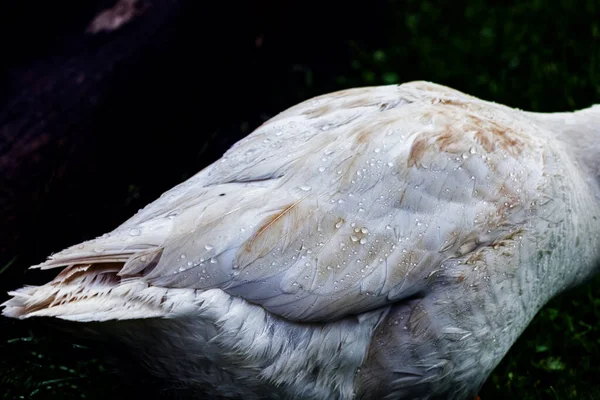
(386, 242)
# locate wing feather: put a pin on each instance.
(339, 205)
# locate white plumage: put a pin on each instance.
(385, 242)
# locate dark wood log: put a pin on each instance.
(55, 144)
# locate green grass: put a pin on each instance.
(36, 366)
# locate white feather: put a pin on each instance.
(386, 242)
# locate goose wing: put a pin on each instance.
(341, 204)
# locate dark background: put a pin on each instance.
(93, 127)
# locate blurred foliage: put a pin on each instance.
(535, 55)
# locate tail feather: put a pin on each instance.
(96, 292)
(101, 279)
(82, 259)
(118, 246)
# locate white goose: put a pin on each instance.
(385, 242)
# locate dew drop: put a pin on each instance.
(135, 232)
